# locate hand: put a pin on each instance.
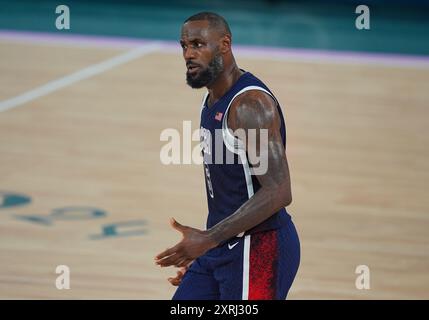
(178, 279)
(193, 244)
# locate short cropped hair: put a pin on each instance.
(216, 21)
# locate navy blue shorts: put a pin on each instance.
(258, 266)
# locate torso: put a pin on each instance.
(229, 185)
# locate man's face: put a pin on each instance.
(203, 59)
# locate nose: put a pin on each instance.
(189, 53)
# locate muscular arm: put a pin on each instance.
(257, 110)
(251, 110)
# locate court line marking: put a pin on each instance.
(254, 52)
(77, 76)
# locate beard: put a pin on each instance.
(208, 75)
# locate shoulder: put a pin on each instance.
(253, 109)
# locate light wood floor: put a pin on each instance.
(358, 149)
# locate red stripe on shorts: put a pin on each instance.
(263, 266)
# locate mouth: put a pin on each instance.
(192, 68)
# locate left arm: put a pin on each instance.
(251, 110)
(255, 110)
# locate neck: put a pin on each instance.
(223, 83)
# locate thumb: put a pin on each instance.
(176, 225)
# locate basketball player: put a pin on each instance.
(250, 249)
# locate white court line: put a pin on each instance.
(78, 76)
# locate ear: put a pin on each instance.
(225, 44)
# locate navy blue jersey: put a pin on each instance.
(229, 181)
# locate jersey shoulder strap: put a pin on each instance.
(231, 142)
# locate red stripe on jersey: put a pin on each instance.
(263, 266)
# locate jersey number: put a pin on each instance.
(208, 180)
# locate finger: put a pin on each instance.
(176, 277)
(184, 263)
(171, 260)
(167, 252)
(179, 275)
(182, 270)
(179, 263)
(174, 281)
(176, 225)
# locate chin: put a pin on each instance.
(194, 83)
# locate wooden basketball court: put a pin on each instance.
(357, 145)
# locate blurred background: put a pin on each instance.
(396, 26)
(82, 110)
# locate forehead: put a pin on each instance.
(196, 29)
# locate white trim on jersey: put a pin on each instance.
(236, 146)
(232, 143)
(246, 266)
(203, 103)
